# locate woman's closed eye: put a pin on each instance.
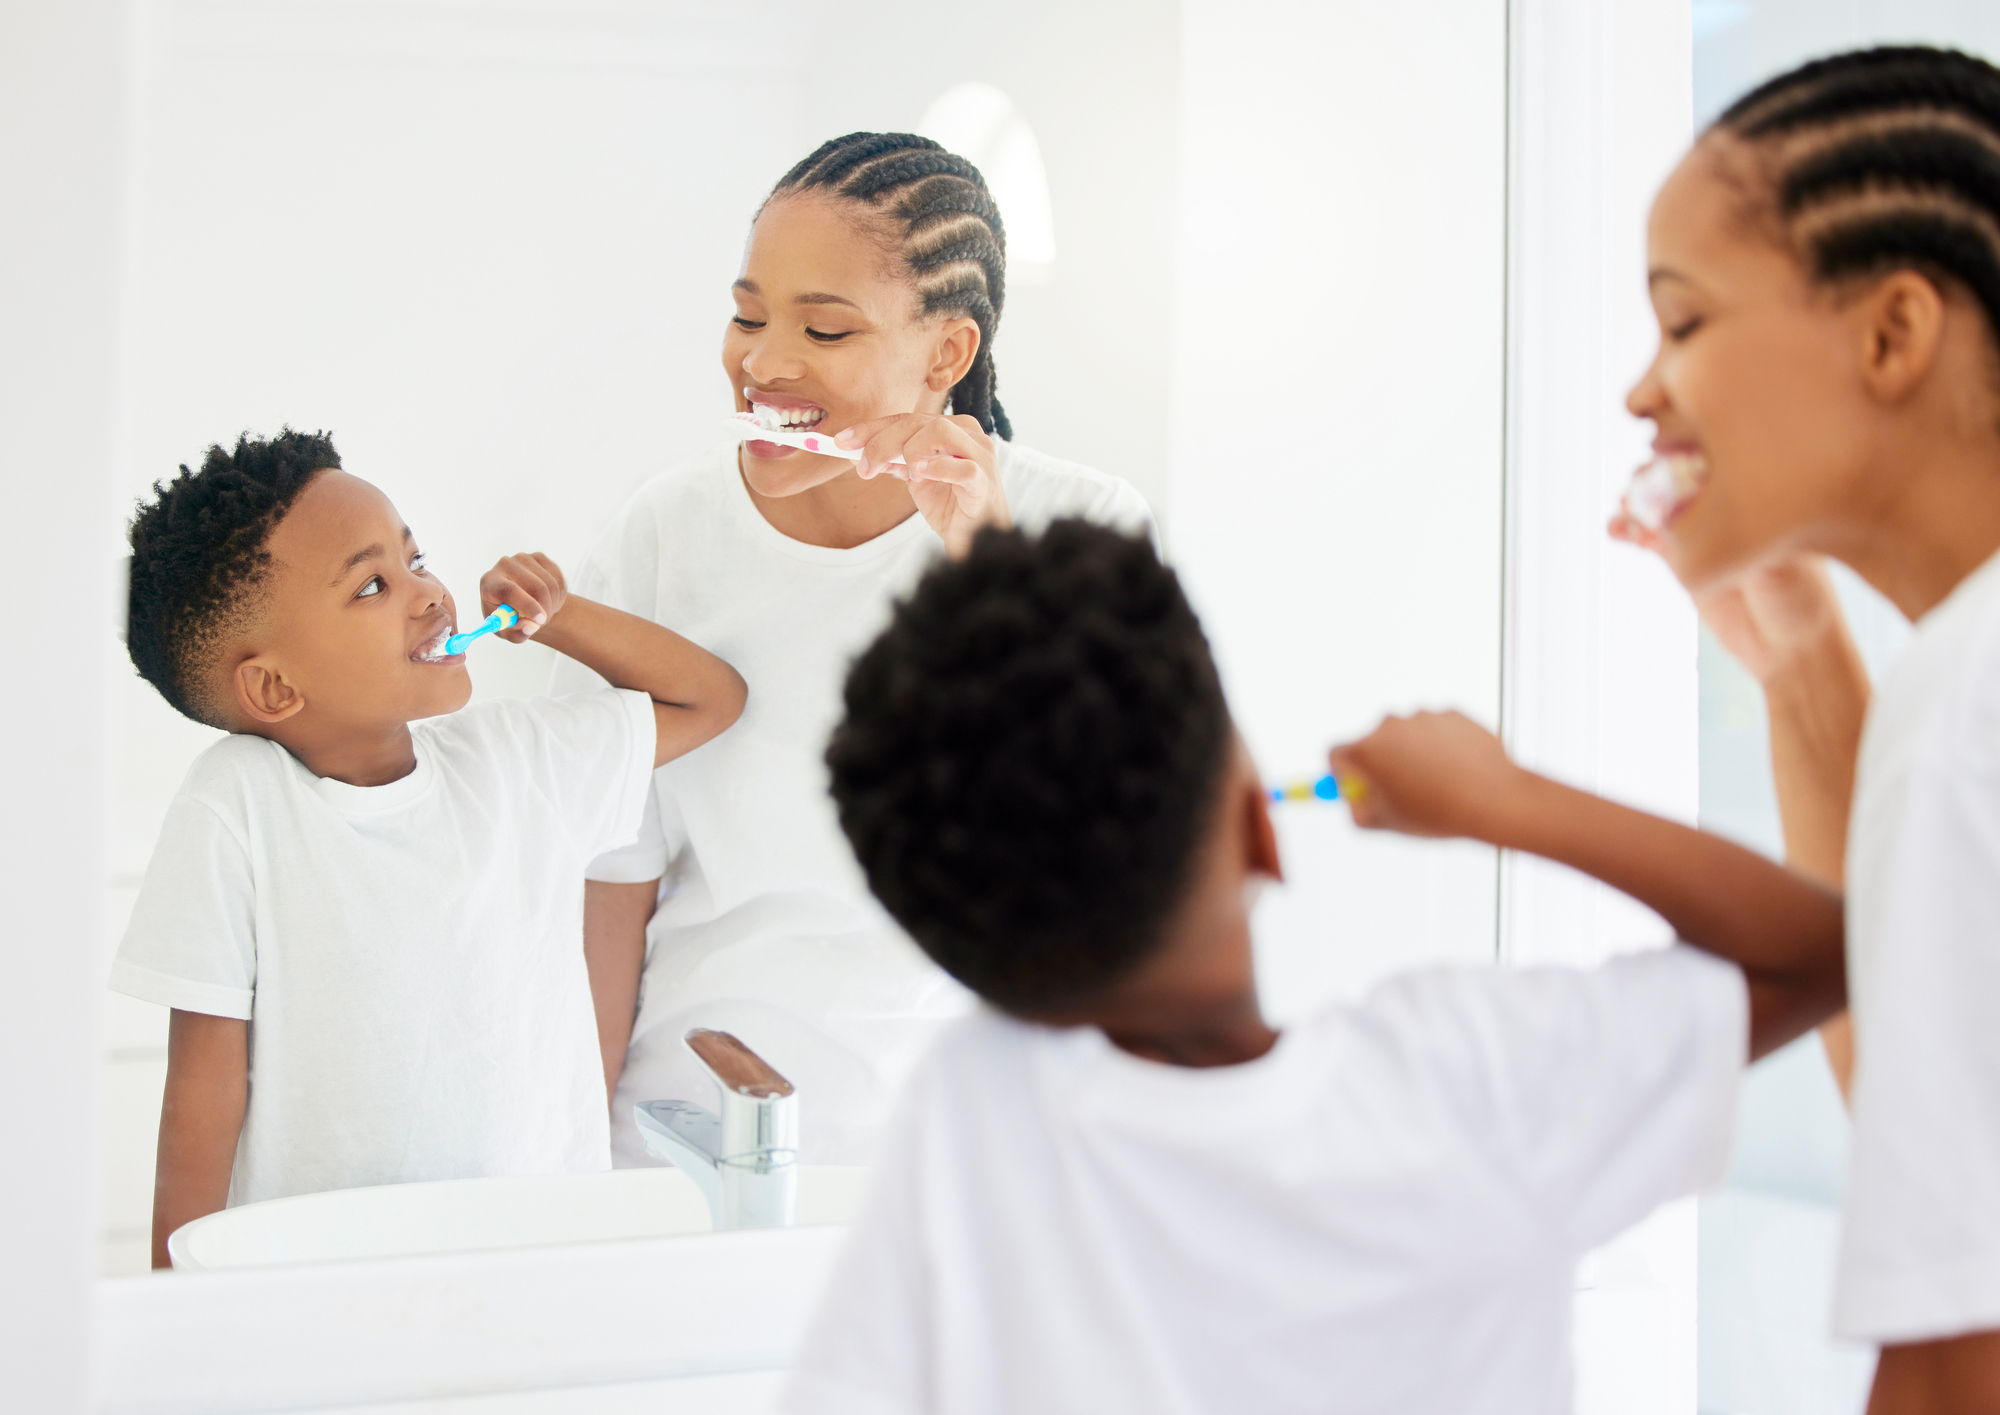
(1681, 331)
(749, 324)
(821, 336)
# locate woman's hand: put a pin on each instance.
(532, 583)
(952, 469)
(1770, 619)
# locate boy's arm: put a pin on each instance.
(1441, 774)
(614, 950)
(201, 1117)
(695, 695)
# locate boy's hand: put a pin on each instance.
(1437, 773)
(532, 583)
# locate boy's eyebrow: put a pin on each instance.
(810, 297)
(361, 556)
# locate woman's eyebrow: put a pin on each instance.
(820, 297)
(1664, 272)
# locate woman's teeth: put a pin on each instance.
(1663, 486)
(786, 419)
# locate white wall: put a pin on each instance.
(62, 88)
(1342, 275)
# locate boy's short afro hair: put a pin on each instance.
(1030, 758)
(198, 558)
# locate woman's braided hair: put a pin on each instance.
(1884, 159)
(952, 238)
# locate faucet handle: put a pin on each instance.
(736, 1068)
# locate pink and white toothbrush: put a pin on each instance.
(761, 425)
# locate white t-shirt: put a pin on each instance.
(1383, 1214)
(766, 927)
(1920, 1248)
(409, 956)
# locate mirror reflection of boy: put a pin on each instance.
(1117, 1188)
(365, 906)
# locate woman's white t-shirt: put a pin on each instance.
(1383, 1214)
(1920, 1247)
(766, 927)
(409, 956)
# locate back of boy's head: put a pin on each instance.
(1030, 760)
(200, 563)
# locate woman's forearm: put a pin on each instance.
(1816, 706)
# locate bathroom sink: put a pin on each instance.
(468, 1215)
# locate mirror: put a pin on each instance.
(492, 253)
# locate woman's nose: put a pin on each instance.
(764, 364)
(1648, 396)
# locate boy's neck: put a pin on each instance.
(1225, 1037)
(373, 758)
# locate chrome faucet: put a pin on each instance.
(744, 1159)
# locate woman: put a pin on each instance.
(869, 295)
(1826, 274)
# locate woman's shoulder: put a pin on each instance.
(690, 484)
(1041, 489)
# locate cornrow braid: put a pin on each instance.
(952, 237)
(1883, 159)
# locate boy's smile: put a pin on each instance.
(349, 648)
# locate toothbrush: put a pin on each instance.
(505, 617)
(1323, 788)
(748, 427)
(1662, 487)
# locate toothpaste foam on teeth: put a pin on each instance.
(1662, 487)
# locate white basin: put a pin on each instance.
(468, 1215)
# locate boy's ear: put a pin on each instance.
(958, 345)
(1902, 331)
(1262, 841)
(263, 694)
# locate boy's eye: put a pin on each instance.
(420, 564)
(822, 337)
(374, 586)
(750, 324)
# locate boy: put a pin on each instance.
(1118, 1189)
(370, 932)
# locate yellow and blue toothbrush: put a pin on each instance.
(504, 617)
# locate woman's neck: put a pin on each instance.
(1940, 524)
(838, 514)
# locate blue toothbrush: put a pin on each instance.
(504, 617)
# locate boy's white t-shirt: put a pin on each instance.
(1920, 1245)
(1383, 1214)
(766, 927)
(409, 956)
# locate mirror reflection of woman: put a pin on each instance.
(869, 295)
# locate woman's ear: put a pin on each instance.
(1902, 329)
(957, 347)
(1263, 857)
(263, 694)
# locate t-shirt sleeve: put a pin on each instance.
(868, 1349)
(192, 939)
(1603, 1092)
(644, 859)
(591, 755)
(1920, 1251)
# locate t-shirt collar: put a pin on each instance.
(352, 800)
